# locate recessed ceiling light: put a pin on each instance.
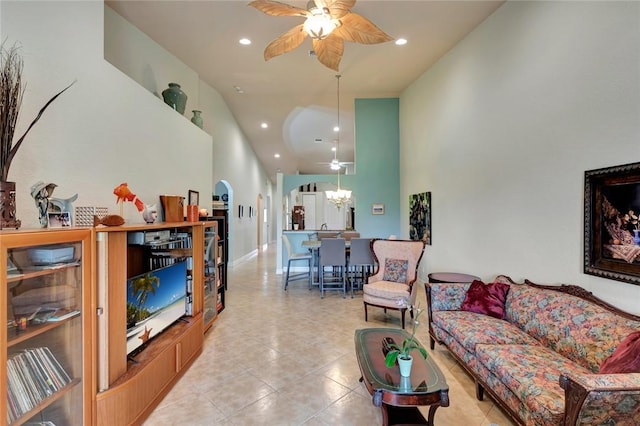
(334, 149)
(401, 41)
(245, 41)
(264, 125)
(276, 155)
(336, 129)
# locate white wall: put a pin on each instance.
(232, 159)
(502, 129)
(109, 129)
(106, 129)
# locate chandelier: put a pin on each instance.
(339, 197)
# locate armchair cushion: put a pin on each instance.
(388, 290)
(626, 357)
(395, 270)
(487, 299)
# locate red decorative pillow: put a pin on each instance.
(486, 299)
(626, 357)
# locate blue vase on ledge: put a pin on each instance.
(636, 237)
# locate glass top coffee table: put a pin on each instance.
(399, 396)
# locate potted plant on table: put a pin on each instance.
(11, 91)
(402, 353)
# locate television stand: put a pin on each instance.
(131, 385)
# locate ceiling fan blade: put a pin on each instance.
(339, 8)
(329, 51)
(359, 29)
(275, 8)
(285, 43)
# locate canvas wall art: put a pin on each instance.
(420, 217)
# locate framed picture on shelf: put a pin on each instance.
(194, 198)
(59, 219)
(612, 223)
(377, 208)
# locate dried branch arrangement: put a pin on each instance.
(11, 92)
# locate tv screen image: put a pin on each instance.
(155, 300)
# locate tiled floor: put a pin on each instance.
(287, 358)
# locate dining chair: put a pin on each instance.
(296, 257)
(392, 284)
(360, 262)
(333, 254)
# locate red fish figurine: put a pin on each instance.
(123, 193)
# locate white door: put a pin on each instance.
(309, 203)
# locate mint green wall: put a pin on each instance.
(377, 178)
(377, 166)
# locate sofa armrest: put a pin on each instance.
(601, 399)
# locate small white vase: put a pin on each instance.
(405, 384)
(405, 365)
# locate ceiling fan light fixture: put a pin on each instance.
(319, 24)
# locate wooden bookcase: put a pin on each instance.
(222, 218)
(211, 281)
(129, 389)
(47, 346)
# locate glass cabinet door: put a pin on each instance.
(46, 334)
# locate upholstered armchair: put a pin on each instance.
(395, 275)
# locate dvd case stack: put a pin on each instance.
(33, 376)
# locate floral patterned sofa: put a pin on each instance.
(541, 358)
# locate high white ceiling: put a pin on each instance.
(294, 93)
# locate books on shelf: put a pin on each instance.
(33, 375)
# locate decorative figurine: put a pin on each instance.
(150, 213)
(108, 220)
(41, 192)
(123, 193)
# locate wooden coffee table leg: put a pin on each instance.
(432, 413)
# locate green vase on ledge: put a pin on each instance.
(175, 97)
(197, 118)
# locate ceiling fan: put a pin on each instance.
(328, 22)
(335, 164)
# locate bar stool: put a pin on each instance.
(360, 262)
(333, 253)
(293, 257)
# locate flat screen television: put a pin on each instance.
(155, 300)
